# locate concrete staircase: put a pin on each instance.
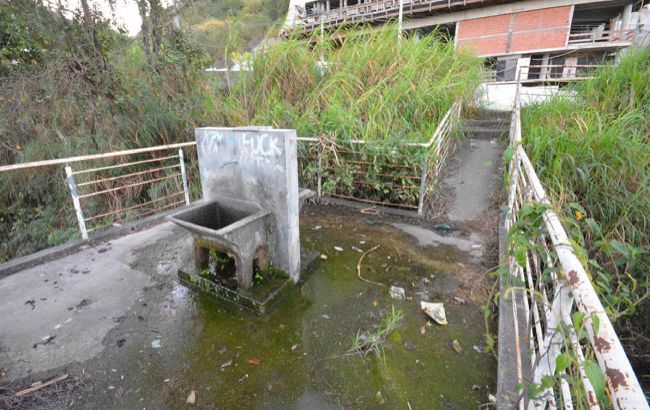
(474, 169)
(490, 124)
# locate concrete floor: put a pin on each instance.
(474, 177)
(100, 313)
(60, 312)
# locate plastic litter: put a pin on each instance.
(443, 227)
(191, 399)
(435, 311)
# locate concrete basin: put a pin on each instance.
(232, 226)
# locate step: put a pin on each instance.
(486, 130)
(486, 134)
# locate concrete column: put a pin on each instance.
(522, 67)
(569, 72)
(543, 72)
(627, 17)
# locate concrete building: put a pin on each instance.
(553, 39)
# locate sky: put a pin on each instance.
(126, 11)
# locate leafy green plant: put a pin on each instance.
(594, 161)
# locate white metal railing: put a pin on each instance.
(434, 151)
(99, 193)
(111, 185)
(560, 305)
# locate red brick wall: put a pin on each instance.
(523, 31)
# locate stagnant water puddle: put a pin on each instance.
(296, 355)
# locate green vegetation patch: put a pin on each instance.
(592, 154)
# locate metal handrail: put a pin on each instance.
(69, 160)
(440, 146)
(572, 289)
(107, 184)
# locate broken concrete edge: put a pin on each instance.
(507, 379)
(59, 251)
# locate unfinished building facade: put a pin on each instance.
(554, 39)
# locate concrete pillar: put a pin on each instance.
(543, 72)
(627, 17)
(569, 72)
(522, 67)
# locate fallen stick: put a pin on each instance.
(40, 386)
(359, 267)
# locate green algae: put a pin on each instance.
(301, 344)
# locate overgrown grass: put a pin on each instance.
(370, 87)
(592, 153)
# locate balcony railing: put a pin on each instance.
(375, 11)
(598, 37)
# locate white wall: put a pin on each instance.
(497, 96)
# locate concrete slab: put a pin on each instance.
(60, 312)
(476, 164)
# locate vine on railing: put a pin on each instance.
(392, 174)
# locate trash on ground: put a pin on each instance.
(456, 346)
(459, 300)
(397, 293)
(477, 349)
(191, 399)
(256, 362)
(226, 364)
(155, 343)
(435, 311)
(323, 256)
(338, 248)
(443, 227)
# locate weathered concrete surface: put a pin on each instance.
(475, 178)
(258, 165)
(155, 341)
(238, 228)
(76, 300)
(426, 237)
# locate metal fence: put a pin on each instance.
(393, 175)
(123, 186)
(569, 340)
